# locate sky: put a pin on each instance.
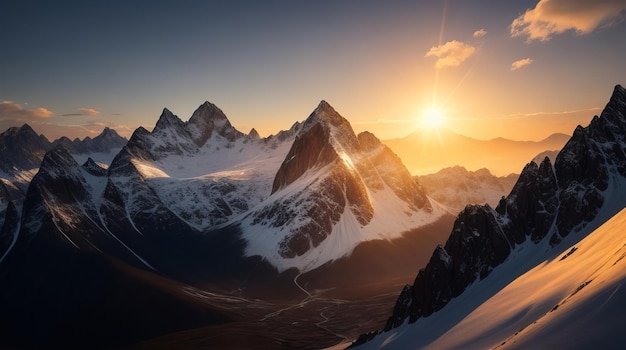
(495, 68)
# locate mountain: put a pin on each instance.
(550, 210)
(197, 212)
(198, 167)
(334, 190)
(427, 151)
(21, 151)
(456, 187)
(108, 140)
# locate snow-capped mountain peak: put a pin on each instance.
(339, 128)
(331, 193)
(208, 118)
(168, 120)
(325, 136)
(253, 134)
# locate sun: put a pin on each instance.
(432, 118)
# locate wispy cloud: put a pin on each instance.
(480, 33)
(89, 111)
(557, 113)
(451, 54)
(83, 112)
(47, 122)
(550, 17)
(10, 110)
(521, 63)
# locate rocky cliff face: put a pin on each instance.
(547, 203)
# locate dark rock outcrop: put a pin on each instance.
(94, 168)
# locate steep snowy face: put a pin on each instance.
(170, 136)
(58, 202)
(330, 193)
(546, 205)
(323, 135)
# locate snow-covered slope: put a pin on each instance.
(570, 300)
(333, 191)
(549, 210)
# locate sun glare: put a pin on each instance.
(432, 118)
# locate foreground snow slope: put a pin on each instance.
(571, 300)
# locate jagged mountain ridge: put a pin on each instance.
(22, 150)
(106, 141)
(583, 189)
(197, 167)
(200, 175)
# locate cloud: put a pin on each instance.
(480, 33)
(83, 111)
(10, 110)
(536, 114)
(89, 111)
(550, 17)
(521, 63)
(451, 54)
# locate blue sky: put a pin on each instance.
(73, 67)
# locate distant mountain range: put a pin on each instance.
(427, 151)
(544, 268)
(457, 187)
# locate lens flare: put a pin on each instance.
(432, 118)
